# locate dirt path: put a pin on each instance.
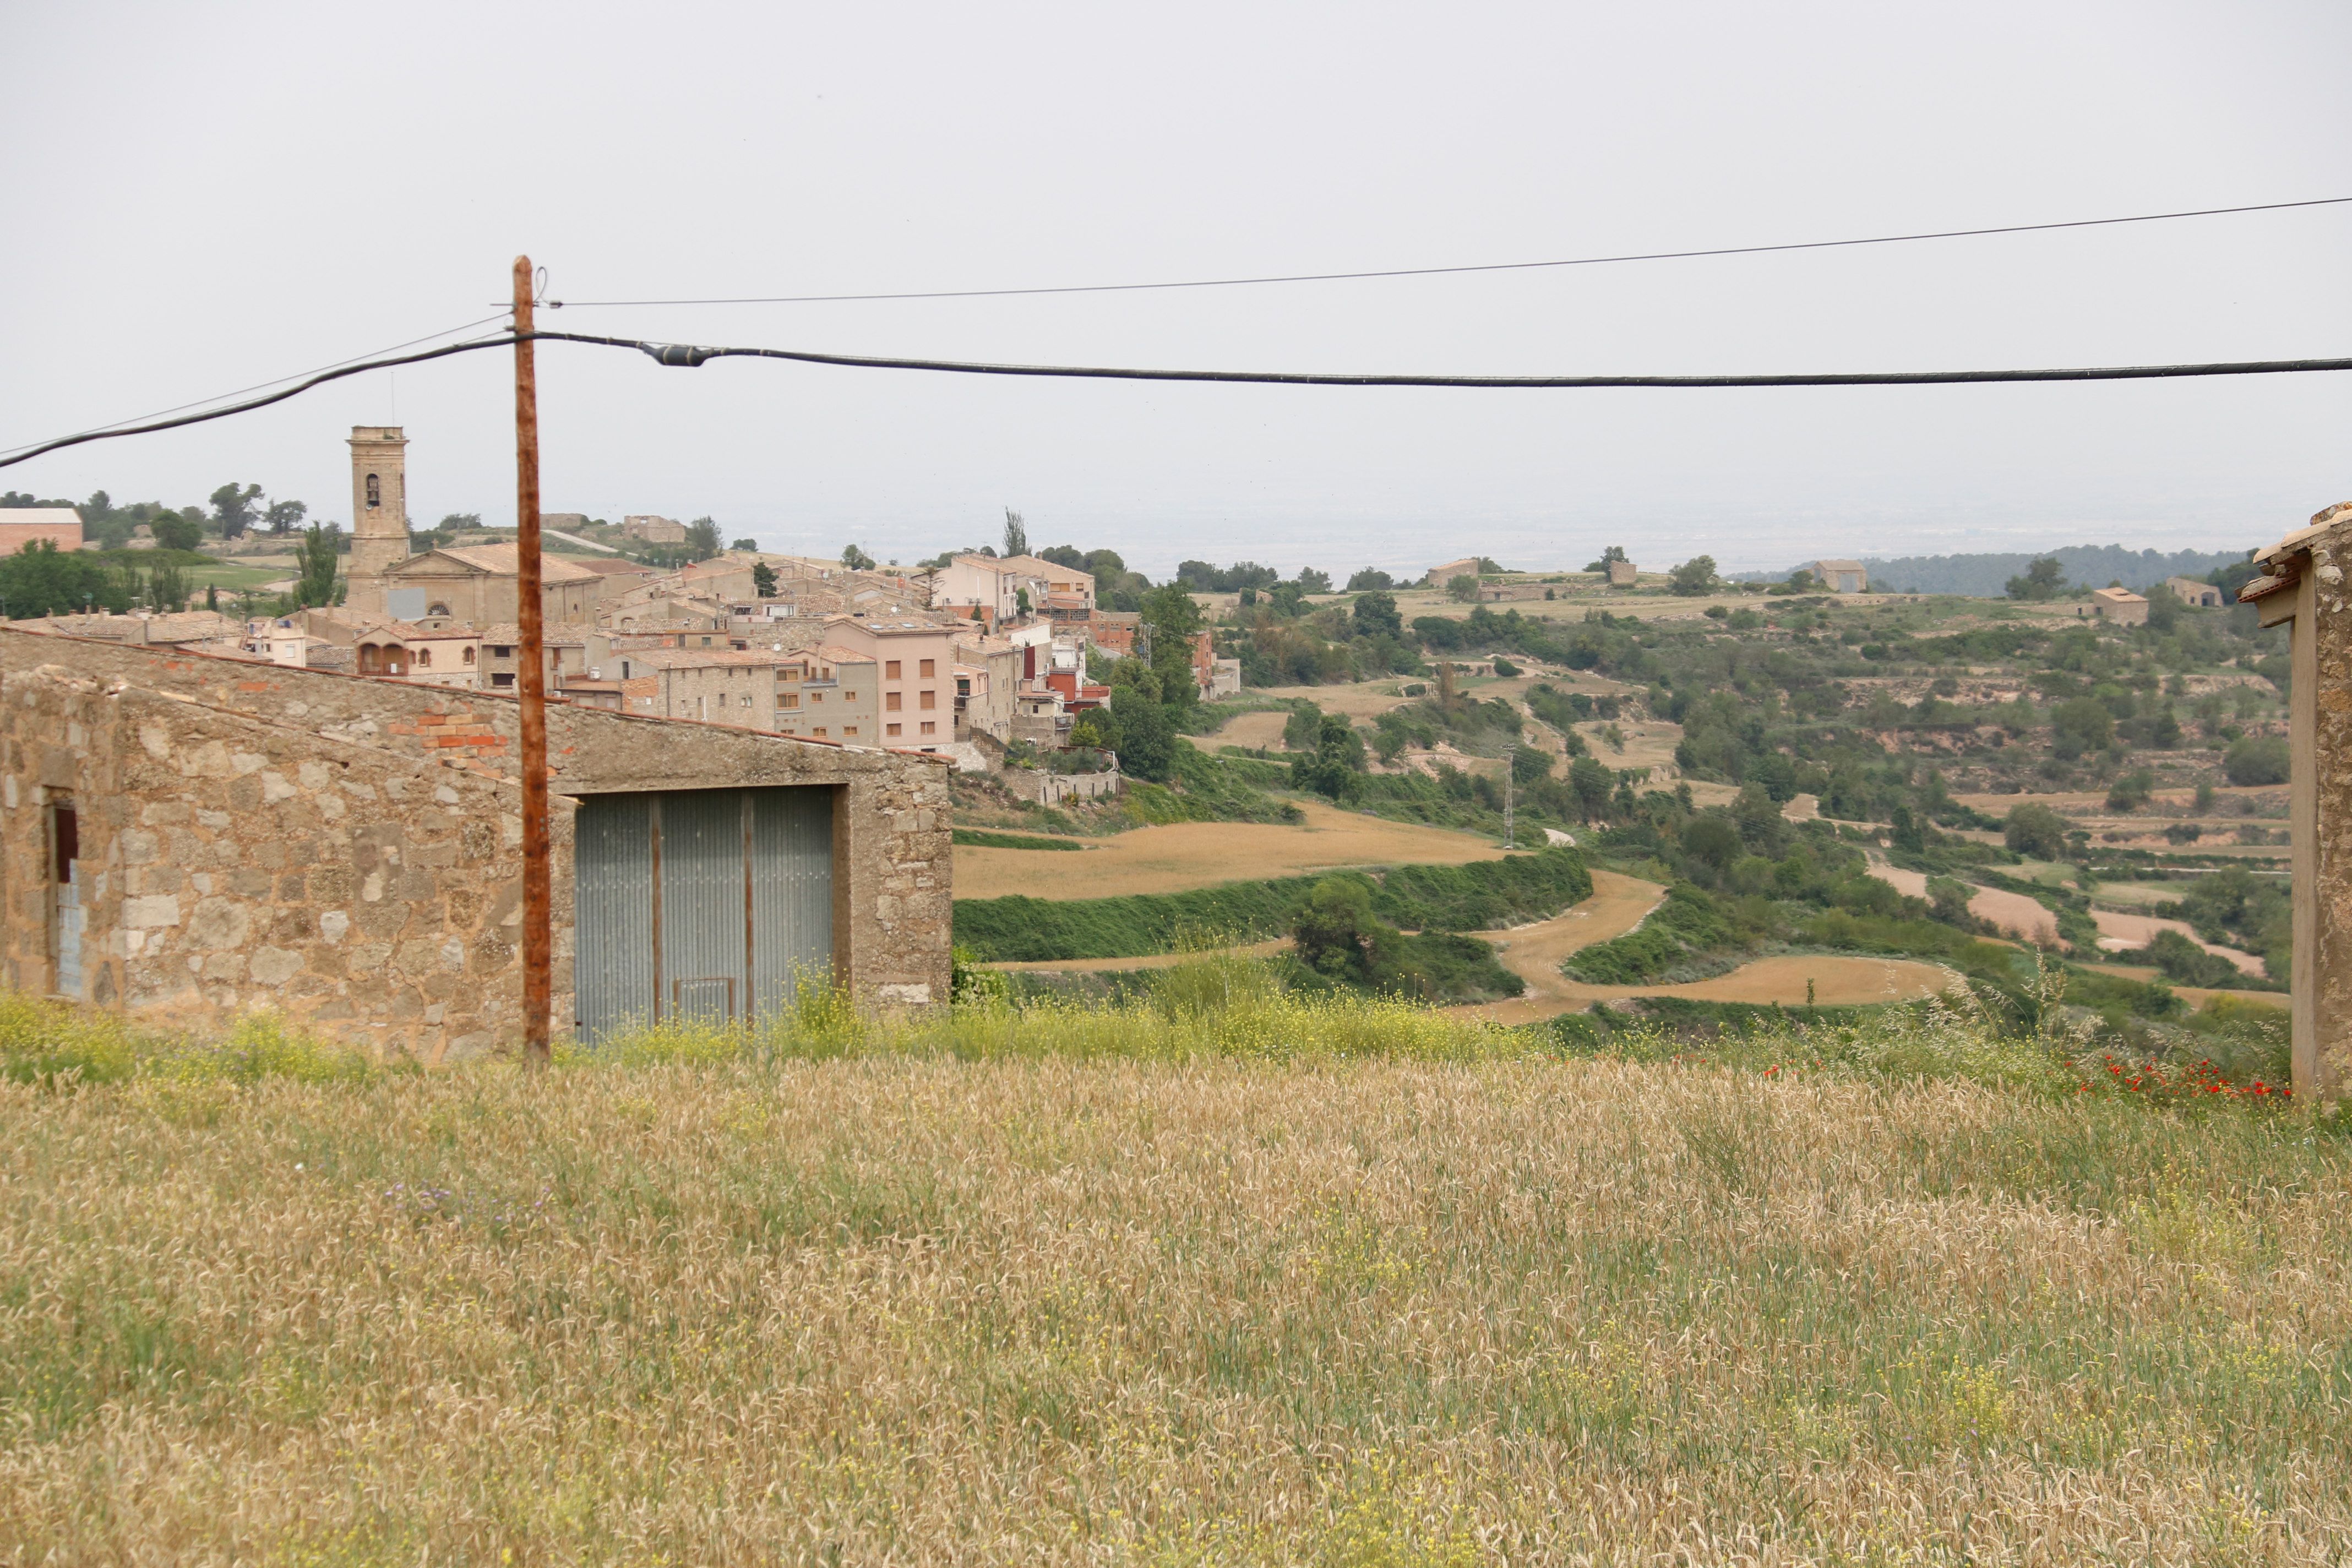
(2012, 912)
(1183, 855)
(2121, 932)
(1618, 904)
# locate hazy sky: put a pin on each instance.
(199, 197)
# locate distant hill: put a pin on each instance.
(1987, 576)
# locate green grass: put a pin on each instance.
(981, 839)
(1481, 894)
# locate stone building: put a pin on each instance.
(1621, 574)
(2189, 591)
(2301, 586)
(2120, 605)
(182, 838)
(1443, 574)
(1839, 576)
(479, 586)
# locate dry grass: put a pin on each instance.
(1183, 855)
(953, 1297)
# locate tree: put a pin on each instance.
(1801, 581)
(42, 580)
(2258, 760)
(1312, 580)
(167, 586)
(1172, 615)
(177, 530)
(233, 508)
(2036, 832)
(749, 546)
(1696, 575)
(763, 580)
(2043, 579)
(286, 516)
(1331, 769)
(1336, 934)
(1614, 552)
(1098, 728)
(2131, 791)
(1147, 747)
(856, 559)
(321, 544)
(1375, 615)
(1463, 590)
(701, 538)
(1370, 579)
(458, 523)
(1588, 782)
(2081, 724)
(1016, 534)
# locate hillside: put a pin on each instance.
(1985, 576)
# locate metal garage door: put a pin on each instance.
(706, 904)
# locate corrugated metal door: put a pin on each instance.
(792, 891)
(700, 904)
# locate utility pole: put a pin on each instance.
(538, 937)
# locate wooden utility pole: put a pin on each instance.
(538, 937)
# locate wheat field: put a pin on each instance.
(1333, 1287)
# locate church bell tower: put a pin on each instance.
(379, 512)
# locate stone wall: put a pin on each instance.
(264, 772)
(229, 863)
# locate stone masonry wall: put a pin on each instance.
(228, 864)
(2326, 860)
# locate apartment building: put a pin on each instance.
(917, 659)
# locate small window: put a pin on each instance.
(890, 670)
(424, 659)
(747, 699)
(849, 728)
(819, 730)
(816, 696)
(788, 699)
(929, 699)
(929, 727)
(375, 491)
(469, 653)
(890, 701)
(930, 668)
(432, 610)
(849, 697)
(892, 728)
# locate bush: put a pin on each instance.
(2036, 832)
(2258, 760)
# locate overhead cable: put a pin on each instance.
(274, 380)
(692, 355)
(1481, 266)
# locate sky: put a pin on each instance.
(204, 197)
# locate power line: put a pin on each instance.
(692, 355)
(274, 380)
(1483, 267)
(696, 355)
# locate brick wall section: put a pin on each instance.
(893, 869)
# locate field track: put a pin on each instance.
(1619, 903)
(1184, 854)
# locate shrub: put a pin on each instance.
(2258, 760)
(2036, 832)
